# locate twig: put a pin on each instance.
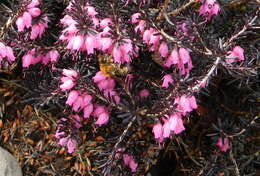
(243, 130)
(205, 80)
(10, 21)
(115, 148)
(234, 161)
(245, 27)
(177, 11)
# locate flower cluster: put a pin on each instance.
(62, 135)
(179, 57)
(121, 49)
(80, 100)
(32, 57)
(174, 123)
(25, 21)
(107, 85)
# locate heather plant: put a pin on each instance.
(137, 72)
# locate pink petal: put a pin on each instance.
(20, 24)
(163, 49)
(34, 11)
(27, 60)
(10, 54)
(102, 119)
(179, 126)
(35, 32)
(134, 18)
(166, 129)
(27, 19)
(71, 145)
(99, 77)
(239, 52)
(106, 43)
(54, 55)
(70, 73)
(77, 104)
(167, 79)
(72, 97)
(63, 141)
(88, 110)
(98, 110)
(184, 55)
(105, 22)
(158, 131)
(144, 93)
(67, 85)
(2, 50)
(33, 4)
(117, 54)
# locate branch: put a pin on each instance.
(108, 163)
(246, 26)
(177, 11)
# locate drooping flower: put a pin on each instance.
(144, 93)
(237, 54)
(223, 144)
(72, 97)
(163, 49)
(70, 73)
(102, 119)
(158, 131)
(176, 123)
(185, 104)
(129, 161)
(71, 145)
(209, 8)
(167, 79)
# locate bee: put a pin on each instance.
(112, 69)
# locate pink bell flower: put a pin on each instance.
(237, 54)
(35, 32)
(2, 50)
(163, 49)
(223, 144)
(70, 73)
(158, 131)
(176, 124)
(20, 24)
(71, 145)
(102, 119)
(134, 18)
(186, 104)
(77, 105)
(34, 11)
(27, 19)
(173, 58)
(144, 93)
(9, 54)
(54, 55)
(33, 4)
(67, 85)
(167, 79)
(166, 129)
(99, 77)
(129, 161)
(72, 97)
(88, 110)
